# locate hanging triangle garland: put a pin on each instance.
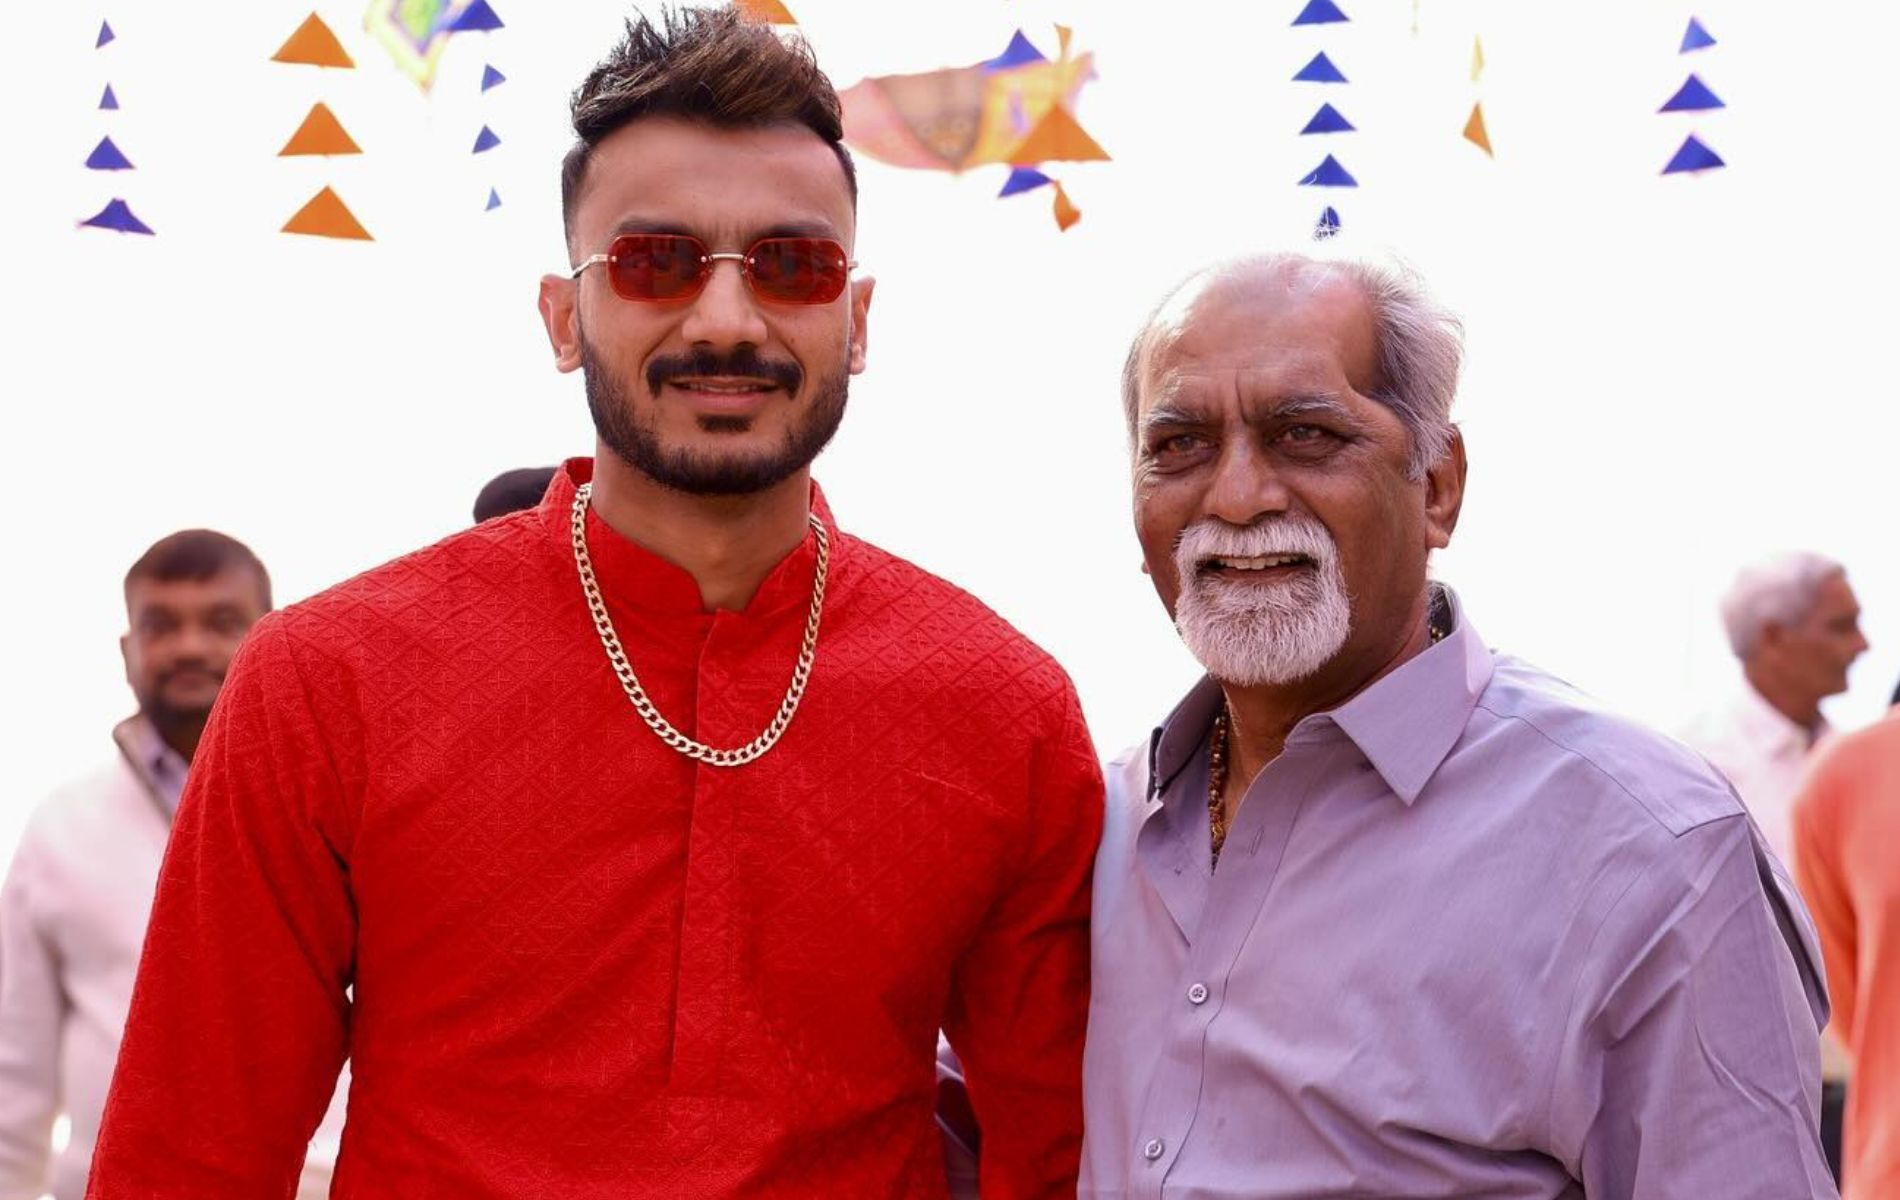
(476, 18)
(1692, 96)
(1477, 58)
(1475, 132)
(485, 140)
(320, 133)
(765, 12)
(492, 78)
(1327, 120)
(314, 44)
(117, 216)
(1327, 225)
(494, 200)
(1023, 179)
(107, 157)
(1329, 174)
(1020, 52)
(1693, 156)
(327, 216)
(1695, 37)
(110, 100)
(1320, 12)
(106, 35)
(1320, 70)
(1067, 213)
(1057, 138)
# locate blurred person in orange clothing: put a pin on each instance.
(1847, 862)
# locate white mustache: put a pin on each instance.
(1209, 538)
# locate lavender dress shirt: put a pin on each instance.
(1470, 937)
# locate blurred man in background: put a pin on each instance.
(512, 491)
(1847, 859)
(74, 907)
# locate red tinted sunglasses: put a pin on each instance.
(662, 267)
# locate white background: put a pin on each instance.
(1666, 376)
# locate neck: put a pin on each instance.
(1803, 708)
(1260, 718)
(181, 734)
(728, 544)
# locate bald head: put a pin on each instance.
(1420, 344)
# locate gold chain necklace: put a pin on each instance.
(630, 683)
(1217, 768)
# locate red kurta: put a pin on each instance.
(584, 965)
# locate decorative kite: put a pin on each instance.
(1016, 109)
(415, 32)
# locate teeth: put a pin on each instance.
(1260, 562)
(725, 389)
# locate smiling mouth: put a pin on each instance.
(1256, 565)
(723, 386)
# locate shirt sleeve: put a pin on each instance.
(31, 1013)
(239, 1018)
(1019, 1005)
(1817, 869)
(1692, 1065)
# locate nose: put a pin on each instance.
(1245, 486)
(725, 313)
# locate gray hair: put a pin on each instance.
(1421, 342)
(1778, 590)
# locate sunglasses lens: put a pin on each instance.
(798, 270)
(653, 266)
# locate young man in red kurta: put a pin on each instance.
(637, 845)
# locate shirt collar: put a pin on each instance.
(1405, 724)
(1762, 724)
(633, 575)
(159, 767)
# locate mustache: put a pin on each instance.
(1213, 538)
(194, 665)
(741, 361)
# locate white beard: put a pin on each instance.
(1261, 634)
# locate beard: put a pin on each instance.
(637, 442)
(170, 717)
(1259, 634)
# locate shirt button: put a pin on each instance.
(1197, 994)
(1153, 1149)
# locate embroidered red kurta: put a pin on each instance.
(582, 964)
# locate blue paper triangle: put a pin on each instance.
(1320, 12)
(1023, 179)
(476, 18)
(117, 215)
(494, 200)
(1019, 51)
(1327, 225)
(106, 35)
(106, 157)
(1327, 120)
(491, 77)
(1695, 37)
(1329, 174)
(1693, 156)
(1320, 70)
(485, 140)
(1692, 96)
(109, 100)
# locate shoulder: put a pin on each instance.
(78, 808)
(1561, 738)
(1844, 762)
(949, 636)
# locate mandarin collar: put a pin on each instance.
(632, 575)
(1405, 724)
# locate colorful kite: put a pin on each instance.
(415, 32)
(1015, 109)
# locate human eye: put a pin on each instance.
(1174, 448)
(1307, 439)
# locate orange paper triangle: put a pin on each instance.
(1474, 130)
(1067, 213)
(320, 133)
(765, 12)
(313, 43)
(327, 216)
(1057, 138)
(1063, 34)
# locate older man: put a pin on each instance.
(1794, 625)
(1377, 911)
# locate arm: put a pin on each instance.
(32, 1011)
(1817, 871)
(1020, 999)
(1693, 1064)
(239, 1017)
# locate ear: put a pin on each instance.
(560, 312)
(125, 653)
(861, 290)
(1445, 493)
